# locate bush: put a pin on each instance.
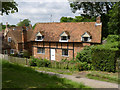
(104, 58)
(26, 54)
(43, 63)
(113, 38)
(32, 61)
(85, 55)
(81, 66)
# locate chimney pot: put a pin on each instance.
(98, 19)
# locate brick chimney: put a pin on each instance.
(24, 36)
(98, 20)
(6, 29)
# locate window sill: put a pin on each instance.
(65, 56)
(40, 53)
(38, 40)
(63, 40)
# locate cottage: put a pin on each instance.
(55, 41)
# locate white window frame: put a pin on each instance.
(40, 39)
(82, 38)
(9, 39)
(39, 35)
(63, 40)
(5, 51)
(42, 50)
(67, 53)
(11, 51)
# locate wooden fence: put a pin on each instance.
(23, 61)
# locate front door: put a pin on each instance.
(52, 54)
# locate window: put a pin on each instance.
(40, 50)
(12, 51)
(5, 51)
(39, 38)
(64, 37)
(9, 39)
(85, 39)
(65, 52)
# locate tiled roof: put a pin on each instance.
(53, 30)
(17, 34)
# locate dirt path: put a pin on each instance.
(89, 82)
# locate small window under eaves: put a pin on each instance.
(86, 37)
(64, 37)
(39, 37)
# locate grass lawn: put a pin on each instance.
(60, 71)
(17, 76)
(103, 76)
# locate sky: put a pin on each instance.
(40, 11)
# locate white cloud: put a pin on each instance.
(40, 11)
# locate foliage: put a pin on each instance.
(9, 7)
(91, 9)
(32, 61)
(34, 26)
(114, 21)
(113, 38)
(43, 63)
(26, 54)
(85, 55)
(104, 58)
(77, 19)
(25, 22)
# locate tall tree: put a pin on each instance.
(8, 7)
(114, 21)
(25, 22)
(91, 9)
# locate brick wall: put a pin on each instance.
(58, 49)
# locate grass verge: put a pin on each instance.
(103, 76)
(60, 71)
(17, 76)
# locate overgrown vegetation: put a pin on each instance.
(16, 76)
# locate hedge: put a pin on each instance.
(104, 59)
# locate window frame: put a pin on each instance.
(11, 50)
(64, 52)
(5, 51)
(9, 39)
(42, 50)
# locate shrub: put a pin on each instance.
(26, 54)
(85, 55)
(32, 61)
(104, 58)
(113, 38)
(43, 63)
(81, 66)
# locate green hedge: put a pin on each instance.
(104, 59)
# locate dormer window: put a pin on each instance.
(39, 37)
(86, 37)
(9, 39)
(64, 37)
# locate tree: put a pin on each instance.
(25, 22)
(8, 7)
(114, 21)
(77, 19)
(91, 9)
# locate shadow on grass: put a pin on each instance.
(17, 76)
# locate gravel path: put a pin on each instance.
(88, 82)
